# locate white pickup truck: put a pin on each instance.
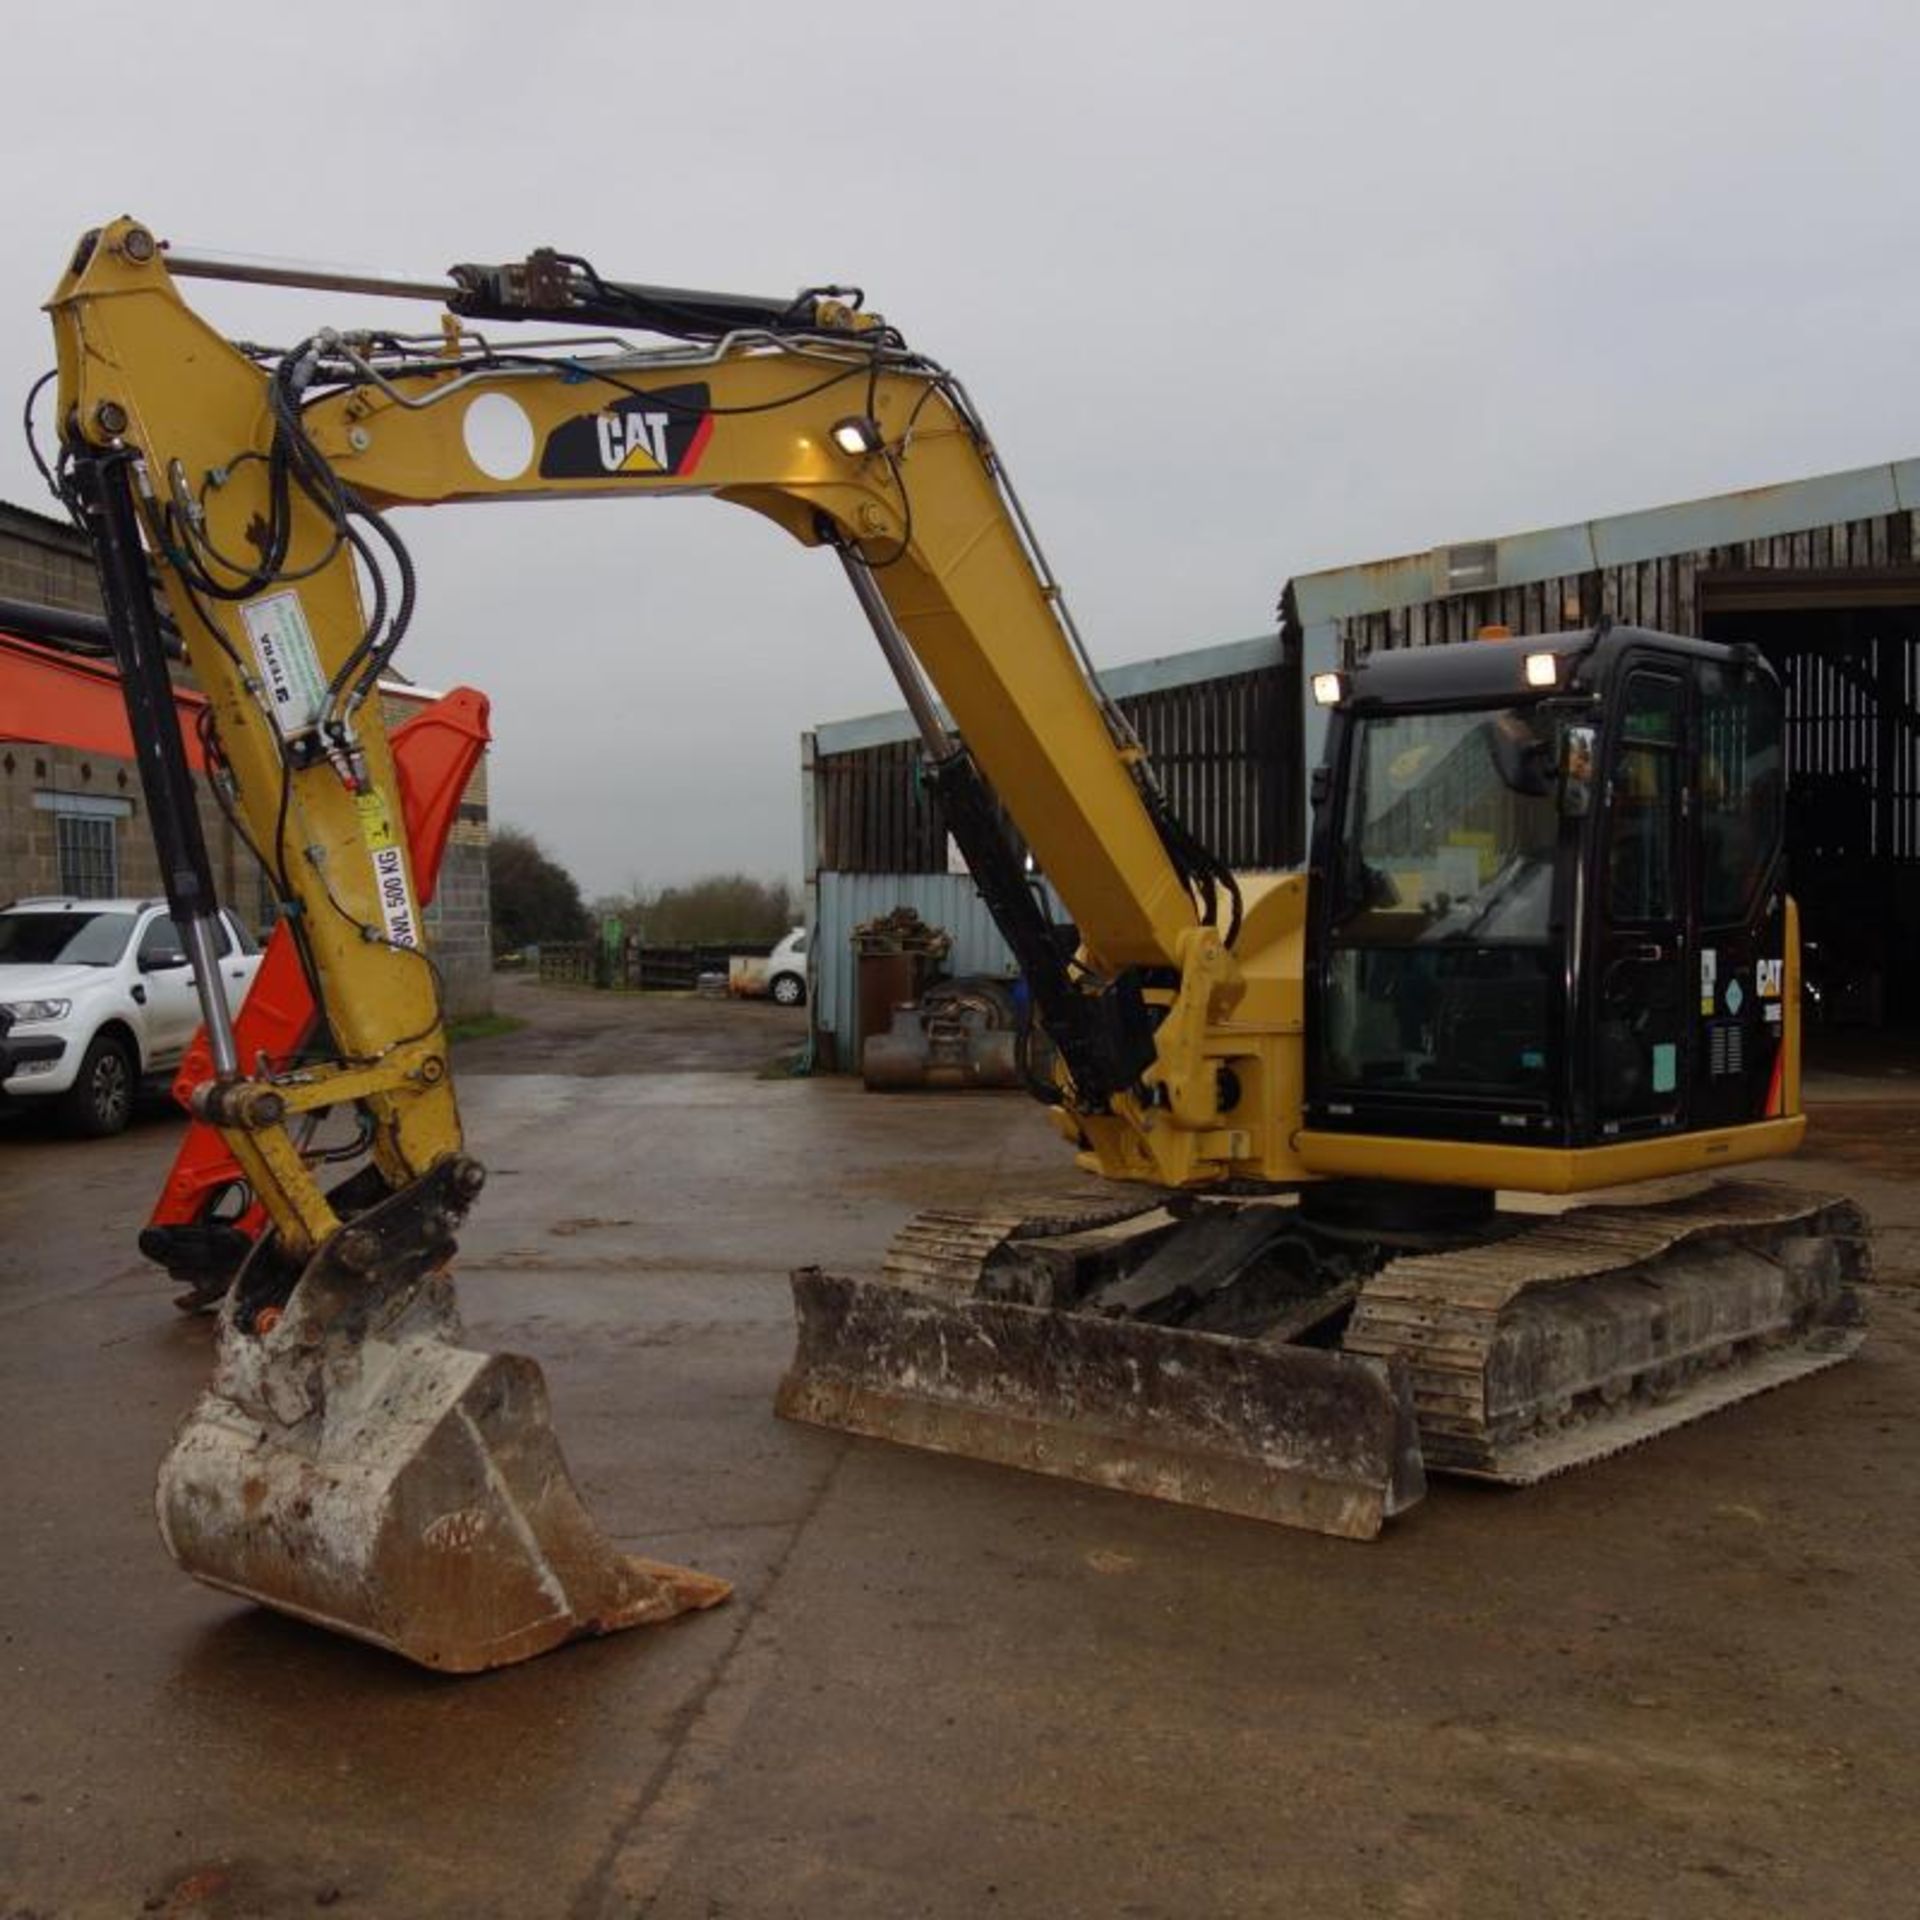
(97, 996)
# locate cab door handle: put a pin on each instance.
(1612, 982)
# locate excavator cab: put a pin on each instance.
(1547, 900)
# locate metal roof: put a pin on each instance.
(44, 525)
(1135, 676)
(1551, 553)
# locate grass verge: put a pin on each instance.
(483, 1026)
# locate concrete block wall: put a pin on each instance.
(45, 560)
(459, 923)
(29, 851)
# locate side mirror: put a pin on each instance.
(1319, 785)
(1524, 763)
(1578, 746)
(162, 960)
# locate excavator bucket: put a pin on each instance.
(353, 1464)
(1003, 1336)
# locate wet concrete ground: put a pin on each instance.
(1682, 1682)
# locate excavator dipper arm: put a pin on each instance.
(206, 1220)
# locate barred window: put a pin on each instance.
(88, 855)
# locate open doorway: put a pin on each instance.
(1846, 643)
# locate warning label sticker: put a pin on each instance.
(397, 914)
(376, 823)
(296, 689)
(396, 898)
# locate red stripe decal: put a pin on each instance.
(696, 446)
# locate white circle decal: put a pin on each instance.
(499, 436)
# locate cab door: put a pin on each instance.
(1740, 1017)
(1642, 975)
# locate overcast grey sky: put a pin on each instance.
(1244, 290)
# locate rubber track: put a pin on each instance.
(947, 1248)
(1440, 1314)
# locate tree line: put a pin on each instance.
(536, 900)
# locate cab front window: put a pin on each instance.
(1451, 829)
(1440, 977)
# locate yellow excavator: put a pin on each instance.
(1542, 946)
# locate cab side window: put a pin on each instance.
(1643, 829)
(1742, 793)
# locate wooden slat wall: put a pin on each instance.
(1856, 777)
(1661, 593)
(1220, 748)
(1904, 775)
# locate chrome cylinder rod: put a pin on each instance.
(899, 657)
(290, 273)
(202, 936)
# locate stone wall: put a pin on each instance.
(36, 779)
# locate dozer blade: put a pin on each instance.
(353, 1465)
(1297, 1435)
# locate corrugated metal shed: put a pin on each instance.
(846, 900)
(1221, 725)
(1652, 567)
(1132, 677)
